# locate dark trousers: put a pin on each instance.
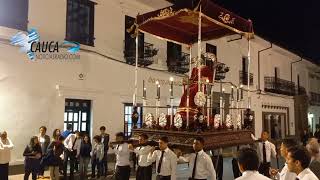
(218, 166)
(28, 172)
(99, 164)
(144, 173)
(235, 168)
(72, 157)
(122, 173)
(264, 169)
(163, 177)
(105, 164)
(41, 169)
(4, 171)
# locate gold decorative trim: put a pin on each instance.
(226, 18)
(166, 12)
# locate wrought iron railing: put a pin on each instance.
(243, 78)
(314, 98)
(179, 65)
(145, 57)
(279, 86)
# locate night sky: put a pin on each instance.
(294, 25)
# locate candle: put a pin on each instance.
(232, 98)
(144, 91)
(171, 86)
(237, 93)
(241, 92)
(158, 89)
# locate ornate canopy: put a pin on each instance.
(179, 23)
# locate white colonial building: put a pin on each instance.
(98, 88)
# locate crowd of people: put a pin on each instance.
(75, 150)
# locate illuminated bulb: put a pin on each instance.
(231, 87)
(157, 82)
(241, 86)
(223, 89)
(207, 81)
(57, 87)
(171, 78)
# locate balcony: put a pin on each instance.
(243, 78)
(145, 57)
(314, 98)
(279, 86)
(180, 65)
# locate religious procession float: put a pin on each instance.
(189, 24)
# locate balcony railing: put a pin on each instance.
(243, 78)
(279, 86)
(180, 65)
(314, 98)
(145, 57)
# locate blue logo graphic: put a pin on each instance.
(74, 48)
(25, 41)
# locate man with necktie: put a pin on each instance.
(200, 163)
(166, 160)
(265, 150)
(298, 161)
(144, 171)
(122, 152)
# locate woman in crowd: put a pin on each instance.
(56, 134)
(97, 156)
(54, 157)
(85, 150)
(32, 154)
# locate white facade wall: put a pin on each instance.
(28, 94)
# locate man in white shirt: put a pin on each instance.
(122, 152)
(298, 161)
(72, 150)
(285, 174)
(248, 164)
(5, 155)
(200, 163)
(265, 149)
(166, 160)
(144, 171)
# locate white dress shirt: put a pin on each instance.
(5, 151)
(270, 150)
(285, 174)
(252, 175)
(122, 154)
(168, 165)
(68, 143)
(307, 174)
(204, 168)
(143, 153)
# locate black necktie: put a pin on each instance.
(194, 166)
(160, 162)
(117, 146)
(297, 178)
(138, 156)
(264, 153)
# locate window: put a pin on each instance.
(244, 72)
(77, 113)
(128, 125)
(177, 61)
(130, 41)
(80, 21)
(14, 14)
